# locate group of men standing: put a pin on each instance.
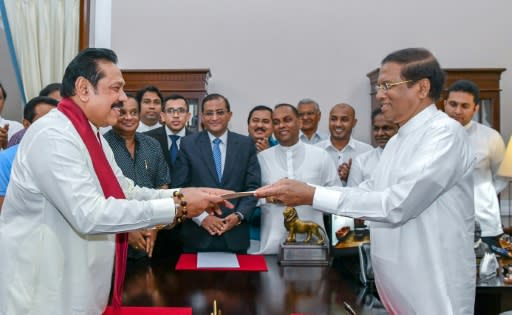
(71, 189)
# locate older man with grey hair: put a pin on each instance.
(309, 113)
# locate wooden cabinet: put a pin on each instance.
(487, 79)
(191, 83)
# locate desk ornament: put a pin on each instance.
(313, 251)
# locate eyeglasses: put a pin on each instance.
(302, 114)
(386, 86)
(179, 111)
(220, 113)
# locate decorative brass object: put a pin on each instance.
(216, 311)
(294, 225)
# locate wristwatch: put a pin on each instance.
(240, 217)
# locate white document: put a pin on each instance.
(217, 260)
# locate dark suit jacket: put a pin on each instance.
(195, 167)
(161, 136)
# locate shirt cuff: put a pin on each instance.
(199, 219)
(163, 211)
(326, 200)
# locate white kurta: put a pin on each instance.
(489, 151)
(302, 162)
(420, 198)
(56, 227)
(362, 166)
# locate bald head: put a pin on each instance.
(342, 119)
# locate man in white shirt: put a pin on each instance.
(364, 164)
(150, 101)
(60, 213)
(341, 146)
(310, 115)
(290, 159)
(419, 199)
(461, 105)
(7, 127)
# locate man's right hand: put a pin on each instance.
(4, 136)
(214, 225)
(205, 199)
(262, 144)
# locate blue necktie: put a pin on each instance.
(217, 157)
(173, 152)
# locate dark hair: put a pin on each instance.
(419, 63)
(376, 112)
(256, 108)
(50, 88)
(3, 91)
(174, 97)
(295, 111)
(85, 64)
(30, 108)
(467, 87)
(149, 88)
(215, 96)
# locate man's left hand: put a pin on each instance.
(230, 221)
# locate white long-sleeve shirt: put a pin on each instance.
(302, 162)
(14, 126)
(56, 227)
(363, 166)
(420, 199)
(489, 151)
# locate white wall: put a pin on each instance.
(267, 51)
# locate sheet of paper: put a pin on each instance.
(217, 260)
(238, 195)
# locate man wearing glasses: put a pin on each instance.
(175, 115)
(217, 157)
(420, 196)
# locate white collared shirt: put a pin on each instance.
(363, 166)
(143, 127)
(489, 151)
(317, 137)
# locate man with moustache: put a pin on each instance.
(140, 159)
(67, 198)
(259, 126)
(341, 146)
(364, 164)
(150, 101)
(294, 159)
(175, 115)
(310, 115)
(461, 104)
(419, 198)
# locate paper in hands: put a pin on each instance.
(237, 195)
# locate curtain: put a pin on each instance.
(45, 35)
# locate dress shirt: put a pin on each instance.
(182, 133)
(148, 167)
(57, 227)
(363, 166)
(14, 126)
(420, 202)
(317, 137)
(489, 150)
(6, 159)
(143, 127)
(224, 142)
(300, 161)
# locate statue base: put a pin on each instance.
(303, 254)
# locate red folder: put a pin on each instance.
(135, 310)
(246, 262)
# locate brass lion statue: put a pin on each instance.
(294, 225)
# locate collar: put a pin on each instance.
(223, 137)
(293, 148)
(469, 125)
(169, 132)
(420, 119)
(351, 144)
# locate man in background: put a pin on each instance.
(175, 115)
(218, 158)
(364, 164)
(34, 109)
(7, 127)
(52, 90)
(461, 104)
(310, 115)
(341, 146)
(150, 100)
(259, 126)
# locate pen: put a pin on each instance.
(146, 164)
(349, 309)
